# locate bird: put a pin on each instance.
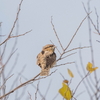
(46, 59)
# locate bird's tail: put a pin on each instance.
(45, 72)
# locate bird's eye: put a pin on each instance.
(42, 52)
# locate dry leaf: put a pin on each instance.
(70, 73)
(65, 91)
(90, 67)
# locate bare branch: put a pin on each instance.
(97, 19)
(32, 85)
(19, 86)
(4, 41)
(16, 18)
(56, 47)
(2, 35)
(80, 82)
(76, 31)
(33, 79)
(13, 66)
(78, 48)
(91, 44)
(37, 91)
(64, 64)
(0, 23)
(83, 81)
(14, 37)
(73, 37)
(68, 55)
(62, 76)
(47, 89)
(46, 76)
(80, 93)
(87, 79)
(9, 36)
(71, 50)
(14, 82)
(91, 20)
(19, 8)
(29, 95)
(6, 80)
(55, 96)
(3, 50)
(20, 34)
(98, 41)
(7, 61)
(56, 34)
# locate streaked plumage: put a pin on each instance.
(46, 59)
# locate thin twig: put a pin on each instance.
(0, 26)
(76, 31)
(81, 61)
(83, 81)
(91, 44)
(21, 94)
(74, 98)
(14, 37)
(16, 19)
(55, 96)
(19, 8)
(33, 79)
(9, 57)
(7, 61)
(2, 55)
(30, 97)
(45, 76)
(19, 86)
(80, 93)
(98, 41)
(32, 85)
(56, 33)
(73, 36)
(80, 82)
(77, 48)
(20, 34)
(14, 65)
(14, 82)
(37, 90)
(6, 80)
(47, 89)
(91, 20)
(62, 76)
(56, 47)
(68, 55)
(87, 79)
(97, 19)
(64, 64)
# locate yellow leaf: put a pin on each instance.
(90, 67)
(70, 73)
(65, 91)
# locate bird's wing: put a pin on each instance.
(40, 59)
(51, 60)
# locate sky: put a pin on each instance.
(36, 15)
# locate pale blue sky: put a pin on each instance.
(36, 15)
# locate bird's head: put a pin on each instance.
(49, 47)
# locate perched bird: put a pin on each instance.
(46, 59)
